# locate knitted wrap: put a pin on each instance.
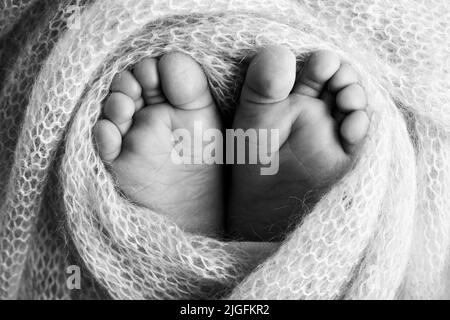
(382, 232)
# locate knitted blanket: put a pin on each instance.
(382, 232)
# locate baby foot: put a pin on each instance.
(322, 120)
(136, 139)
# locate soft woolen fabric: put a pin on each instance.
(382, 232)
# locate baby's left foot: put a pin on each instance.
(137, 136)
(322, 120)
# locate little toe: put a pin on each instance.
(351, 98)
(108, 140)
(127, 84)
(270, 76)
(354, 129)
(183, 82)
(147, 74)
(120, 109)
(320, 68)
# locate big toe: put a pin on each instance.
(270, 77)
(183, 82)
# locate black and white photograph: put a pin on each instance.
(205, 151)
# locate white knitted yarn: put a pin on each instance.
(382, 232)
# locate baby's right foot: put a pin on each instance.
(136, 139)
(322, 120)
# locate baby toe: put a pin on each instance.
(354, 129)
(108, 140)
(120, 109)
(351, 98)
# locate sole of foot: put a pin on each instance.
(322, 120)
(135, 138)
